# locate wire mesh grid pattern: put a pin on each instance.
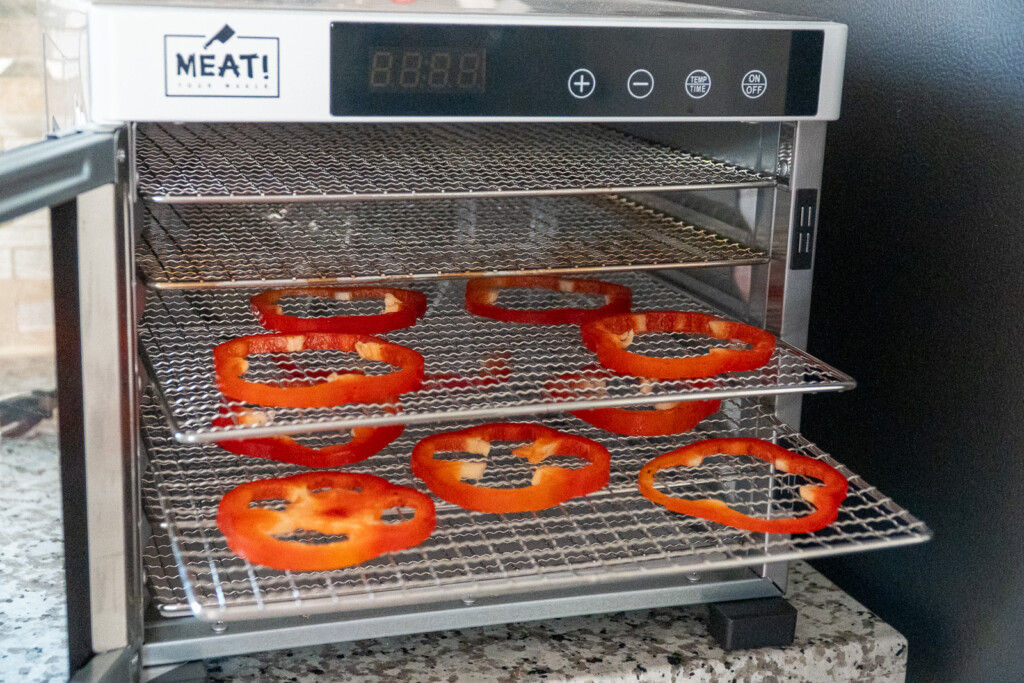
(180, 329)
(274, 162)
(237, 245)
(609, 535)
(161, 568)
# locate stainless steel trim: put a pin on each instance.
(808, 160)
(789, 305)
(56, 170)
(777, 573)
(441, 194)
(106, 417)
(547, 13)
(112, 666)
(109, 415)
(176, 640)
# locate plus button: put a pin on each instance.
(581, 83)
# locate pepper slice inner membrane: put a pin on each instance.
(502, 468)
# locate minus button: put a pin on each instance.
(640, 83)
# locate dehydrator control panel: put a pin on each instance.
(572, 71)
(210, 64)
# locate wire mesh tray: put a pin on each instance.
(180, 329)
(294, 162)
(610, 535)
(239, 245)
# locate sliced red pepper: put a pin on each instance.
(550, 486)
(825, 498)
(664, 418)
(325, 503)
(609, 338)
(229, 360)
(481, 293)
(365, 441)
(402, 307)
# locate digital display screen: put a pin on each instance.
(442, 70)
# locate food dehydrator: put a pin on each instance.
(202, 153)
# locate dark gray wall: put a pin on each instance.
(919, 294)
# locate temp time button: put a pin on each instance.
(754, 84)
(698, 84)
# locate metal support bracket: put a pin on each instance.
(178, 640)
(57, 170)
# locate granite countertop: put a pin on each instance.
(33, 637)
(837, 639)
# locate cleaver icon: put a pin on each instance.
(223, 36)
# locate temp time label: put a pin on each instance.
(221, 64)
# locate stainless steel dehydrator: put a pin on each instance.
(201, 154)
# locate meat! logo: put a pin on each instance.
(222, 64)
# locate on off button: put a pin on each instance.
(754, 84)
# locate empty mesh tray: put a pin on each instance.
(252, 162)
(239, 245)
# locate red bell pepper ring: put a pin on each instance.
(481, 293)
(609, 338)
(326, 503)
(665, 418)
(229, 361)
(365, 441)
(550, 486)
(402, 307)
(825, 498)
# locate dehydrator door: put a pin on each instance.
(82, 178)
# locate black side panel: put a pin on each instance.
(64, 222)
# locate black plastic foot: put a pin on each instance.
(745, 624)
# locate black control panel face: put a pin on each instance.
(385, 69)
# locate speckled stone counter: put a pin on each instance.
(33, 639)
(837, 639)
